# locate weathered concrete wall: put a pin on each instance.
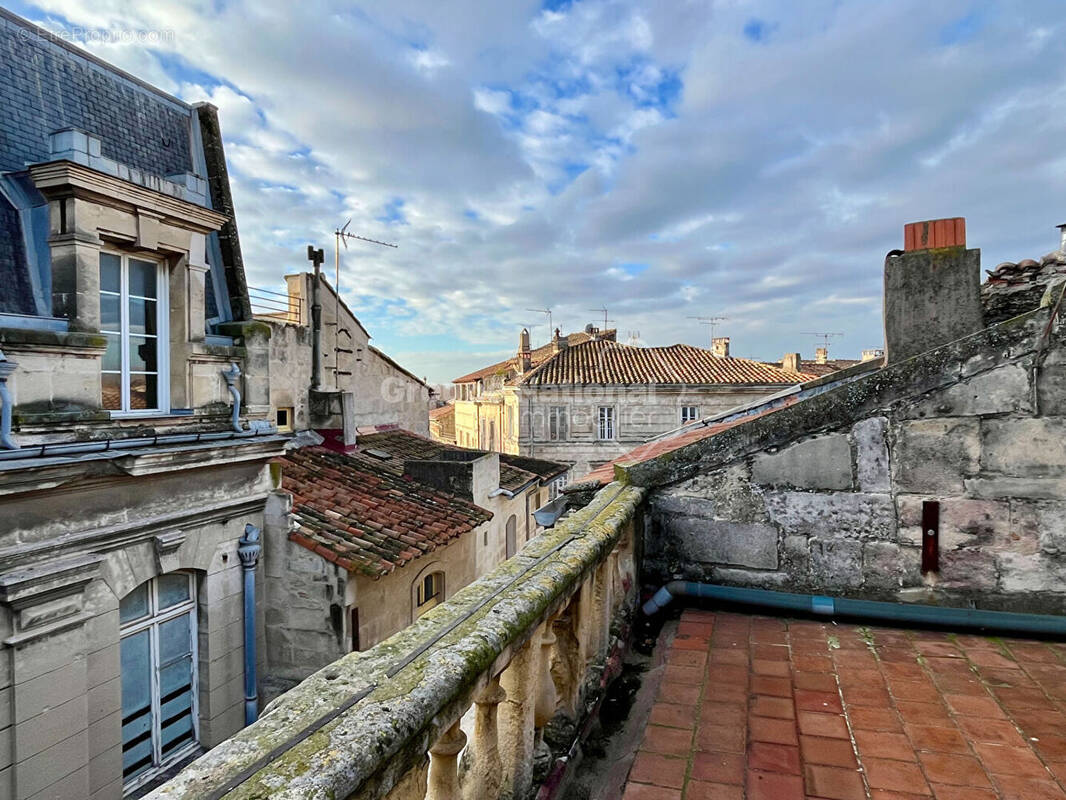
(827, 496)
(68, 561)
(384, 394)
(641, 412)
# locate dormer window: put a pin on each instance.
(133, 318)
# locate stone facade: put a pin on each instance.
(383, 393)
(826, 496)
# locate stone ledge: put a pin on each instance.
(368, 748)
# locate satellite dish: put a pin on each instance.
(590, 328)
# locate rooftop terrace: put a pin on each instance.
(776, 709)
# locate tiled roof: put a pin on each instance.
(818, 369)
(537, 356)
(542, 469)
(442, 411)
(600, 362)
(364, 517)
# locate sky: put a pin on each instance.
(665, 160)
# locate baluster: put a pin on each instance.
(444, 763)
(484, 778)
(547, 698)
(516, 719)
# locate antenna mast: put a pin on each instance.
(547, 311)
(824, 336)
(603, 310)
(712, 323)
(341, 237)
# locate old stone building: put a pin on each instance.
(363, 540)
(585, 399)
(357, 379)
(135, 438)
(442, 423)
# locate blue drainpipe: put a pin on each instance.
(248, 550)
(7, 441)
(870, 609)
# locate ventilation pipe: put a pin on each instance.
(868, 609)
(7, 441)
(248, 550)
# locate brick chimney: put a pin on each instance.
(791, 362)
(720, 346)
(821, 355)
(524, 352)
(932, 289)
(1062, 236)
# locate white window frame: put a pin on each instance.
(154, 619)
(687, 418)
(162, 307)
(606, 424)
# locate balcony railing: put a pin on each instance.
(278, 306)
(519, 646)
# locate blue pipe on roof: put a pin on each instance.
(870, 609)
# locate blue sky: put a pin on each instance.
(753, 160)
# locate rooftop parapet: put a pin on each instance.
(363, 726)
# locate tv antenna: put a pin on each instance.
(824, 336)
(547, 311)
(341, 237)
(604, 312)
(712, 323)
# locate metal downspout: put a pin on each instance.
(871, 609)
(248, 550)
(7, 441)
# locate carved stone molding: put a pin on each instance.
(166, 550)
(47, 598)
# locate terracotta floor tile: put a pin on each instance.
(824, 702)
(721, 693)
(701, 790)
(720, 738)
(898, 776)
(939, 649)
(767, 684)
(886, 794)
(733, 656)
(779, 669)
(1006, 677)
(693, 676)
(830, 752)
(686, 658)
(732, 714)
(967, 706)
(1039, 721)
(943, 792)
(1002, 760)
(990, 658)
(768, 757)
(658, 770)
(940, 740)
(922, 713)
(777, 707)
(834, 783)
(774, 786)
(907, 672)
(718, 767)
(812, 723)
(641, 791)
(688, 642)
(777, 731)
(961, 684)
(1014, 787)
(1033, 652)
(680, 693)
(770, 652)
(808, 662)
(731, 675)
(884, 744)
(1051, 747)
(1021, 697)
(699, 614)
(913, 691)
(874, 696)
(953, 769)
(814, 681)
(673, 715)
(860, 677)
(668, 741)
(993, 731)
(694, 627)
(875, 719)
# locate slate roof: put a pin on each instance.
(364, 517)
(537, 356)
(611, 363)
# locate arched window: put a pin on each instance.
(159, 686)
(430, 592)
(512, 535)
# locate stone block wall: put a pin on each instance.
(836, 507)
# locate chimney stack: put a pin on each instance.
(821, 355)
(1062, 237)
(791, 362)
(559, 343)
(720, 346)
(871, 354)
(524, 351)
(932, 289)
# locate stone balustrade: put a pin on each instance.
(515, 649)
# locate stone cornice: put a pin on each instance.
(55, 178)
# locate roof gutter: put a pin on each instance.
(120, 445)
